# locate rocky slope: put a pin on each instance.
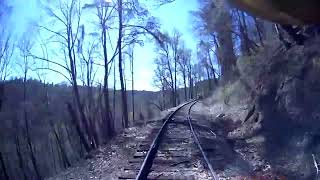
(275, 109)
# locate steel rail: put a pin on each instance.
(148, 161)
(213, 174)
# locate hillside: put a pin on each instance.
(46, 108)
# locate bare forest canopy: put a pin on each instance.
(90, 45)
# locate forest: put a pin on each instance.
(89, 46)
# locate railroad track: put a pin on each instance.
(174, 150)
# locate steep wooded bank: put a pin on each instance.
(271, 113)
(51, 131)
(270, 103)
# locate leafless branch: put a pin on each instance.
(45, 59)
(53, 70)
(54, 32)
(316, 165)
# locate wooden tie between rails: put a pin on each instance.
(171, 151)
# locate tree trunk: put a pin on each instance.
(3, 166)
(4, 169)
(191, 87)
(244, 33)
(73, 68)
(114, 90)
(20, 159)
(82, 114)
(73, 145)
(213, 71)
(123, 92)
(1, 94)
(259, 31)
(132, 88)
(78, 128)
(53, 158)
(65, 159)
(185, 86)
(27, 128)
(209, 78)
(33, 158)
(226, 54)
(190, 81)
(175, 81)
(108, 116)
(173, 100)
(90, 109)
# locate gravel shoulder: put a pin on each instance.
(107, 162)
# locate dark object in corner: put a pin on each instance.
(299, 34)
(294, 33)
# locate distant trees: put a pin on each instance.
(206, 57)
(173, 65)
(166, 67)
(184, 62)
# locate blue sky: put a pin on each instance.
(175, 15)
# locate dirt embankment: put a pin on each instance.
(273, 113)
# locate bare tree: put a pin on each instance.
(105, 14)
(121, 71)
(87, 50)
(184, 61)
(206, 55)
(175, 42)
(68, 15)
(167, 64)
(131, 57)
(25, 46)
(190, 78)
(161, 80)
(6, 51)
(165, 60)
(216, 23)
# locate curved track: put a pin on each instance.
(171, 154)
(213, 174)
